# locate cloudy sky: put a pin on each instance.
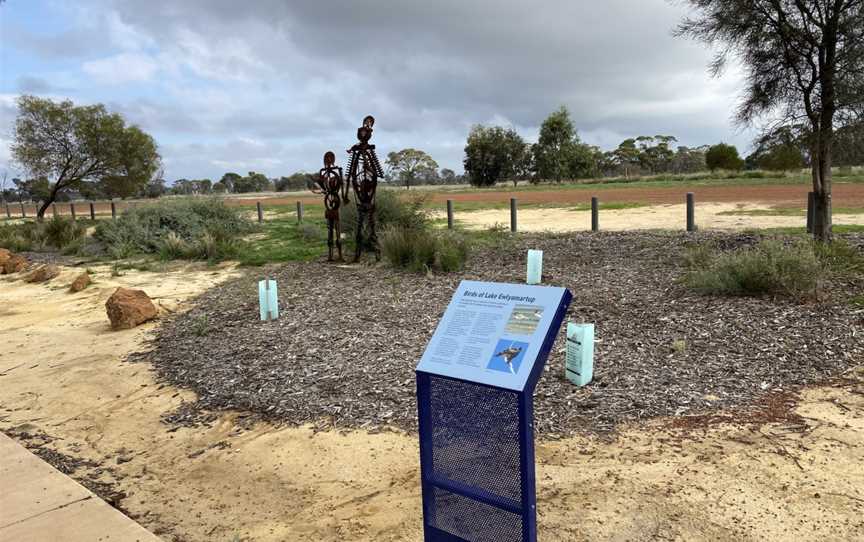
(270, 85)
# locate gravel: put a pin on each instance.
(343, 352)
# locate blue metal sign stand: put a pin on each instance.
(477, 438)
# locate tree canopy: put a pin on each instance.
(70, 145)
(407, 165)
(803, 61)
(558, 153)
(723, 156)
(492, 154)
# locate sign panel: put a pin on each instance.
(492, 333)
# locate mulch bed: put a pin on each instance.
(343, 352)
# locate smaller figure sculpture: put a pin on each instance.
(364, 169)
(330, 183)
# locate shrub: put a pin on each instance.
(770, 267)
(192, 229)
(57, 232)
(14, 238)
(453, 251)
(392, 211)
(422, 250)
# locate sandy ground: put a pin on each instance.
(708, 216)
(61, 373)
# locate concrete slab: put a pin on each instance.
(38, 503)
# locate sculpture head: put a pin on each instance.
(364, 133)
(329, 159)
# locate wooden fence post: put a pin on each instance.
(449, 214)
(595, 214)
(8, 211)
(811, 205)
(299, 212)
(23, 212)
(513, 215)
(691, 212)
(260, 212)
(113, 210)
(72, 210)
(92, 211)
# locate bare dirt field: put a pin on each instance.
(794, 476)
(709, 216)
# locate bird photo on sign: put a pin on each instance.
(524, 319)
(508, 356)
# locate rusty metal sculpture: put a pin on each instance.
(364, 169)
(330, 183)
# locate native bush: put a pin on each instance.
(187, 229)
(423, 250)
(57, 232)
(406, 212)
(770, 267)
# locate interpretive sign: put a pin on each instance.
(579, 365)
(475, 385)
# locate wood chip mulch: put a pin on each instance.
(343, 352)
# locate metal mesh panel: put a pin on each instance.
(473, 520)
(475, 436)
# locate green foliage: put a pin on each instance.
(559, 154)
(49, 136)
(781, 149)
(493, 154)
(254, 182)
(422, 250)
(392, 210)
(723, 156)
(58, 233)
(770, 267)
(407, 165)
(190, 229)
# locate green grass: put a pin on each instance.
(837, 228)
(284, 240)
(789, 211)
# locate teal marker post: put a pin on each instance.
(580, 353)
(268, 299)
(535, 266)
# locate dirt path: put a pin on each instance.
(709, 216)
(61, 374)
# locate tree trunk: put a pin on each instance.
(40, 214)
(822, 227)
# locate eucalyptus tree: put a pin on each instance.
(803, 62)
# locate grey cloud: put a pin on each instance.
(302, 74)
(29, 84)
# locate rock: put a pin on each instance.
(81, 282)
(129, 308)
(5, 254)
(43, 274)
(15, 264)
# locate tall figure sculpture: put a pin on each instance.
(335, 190)
(364, 169)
